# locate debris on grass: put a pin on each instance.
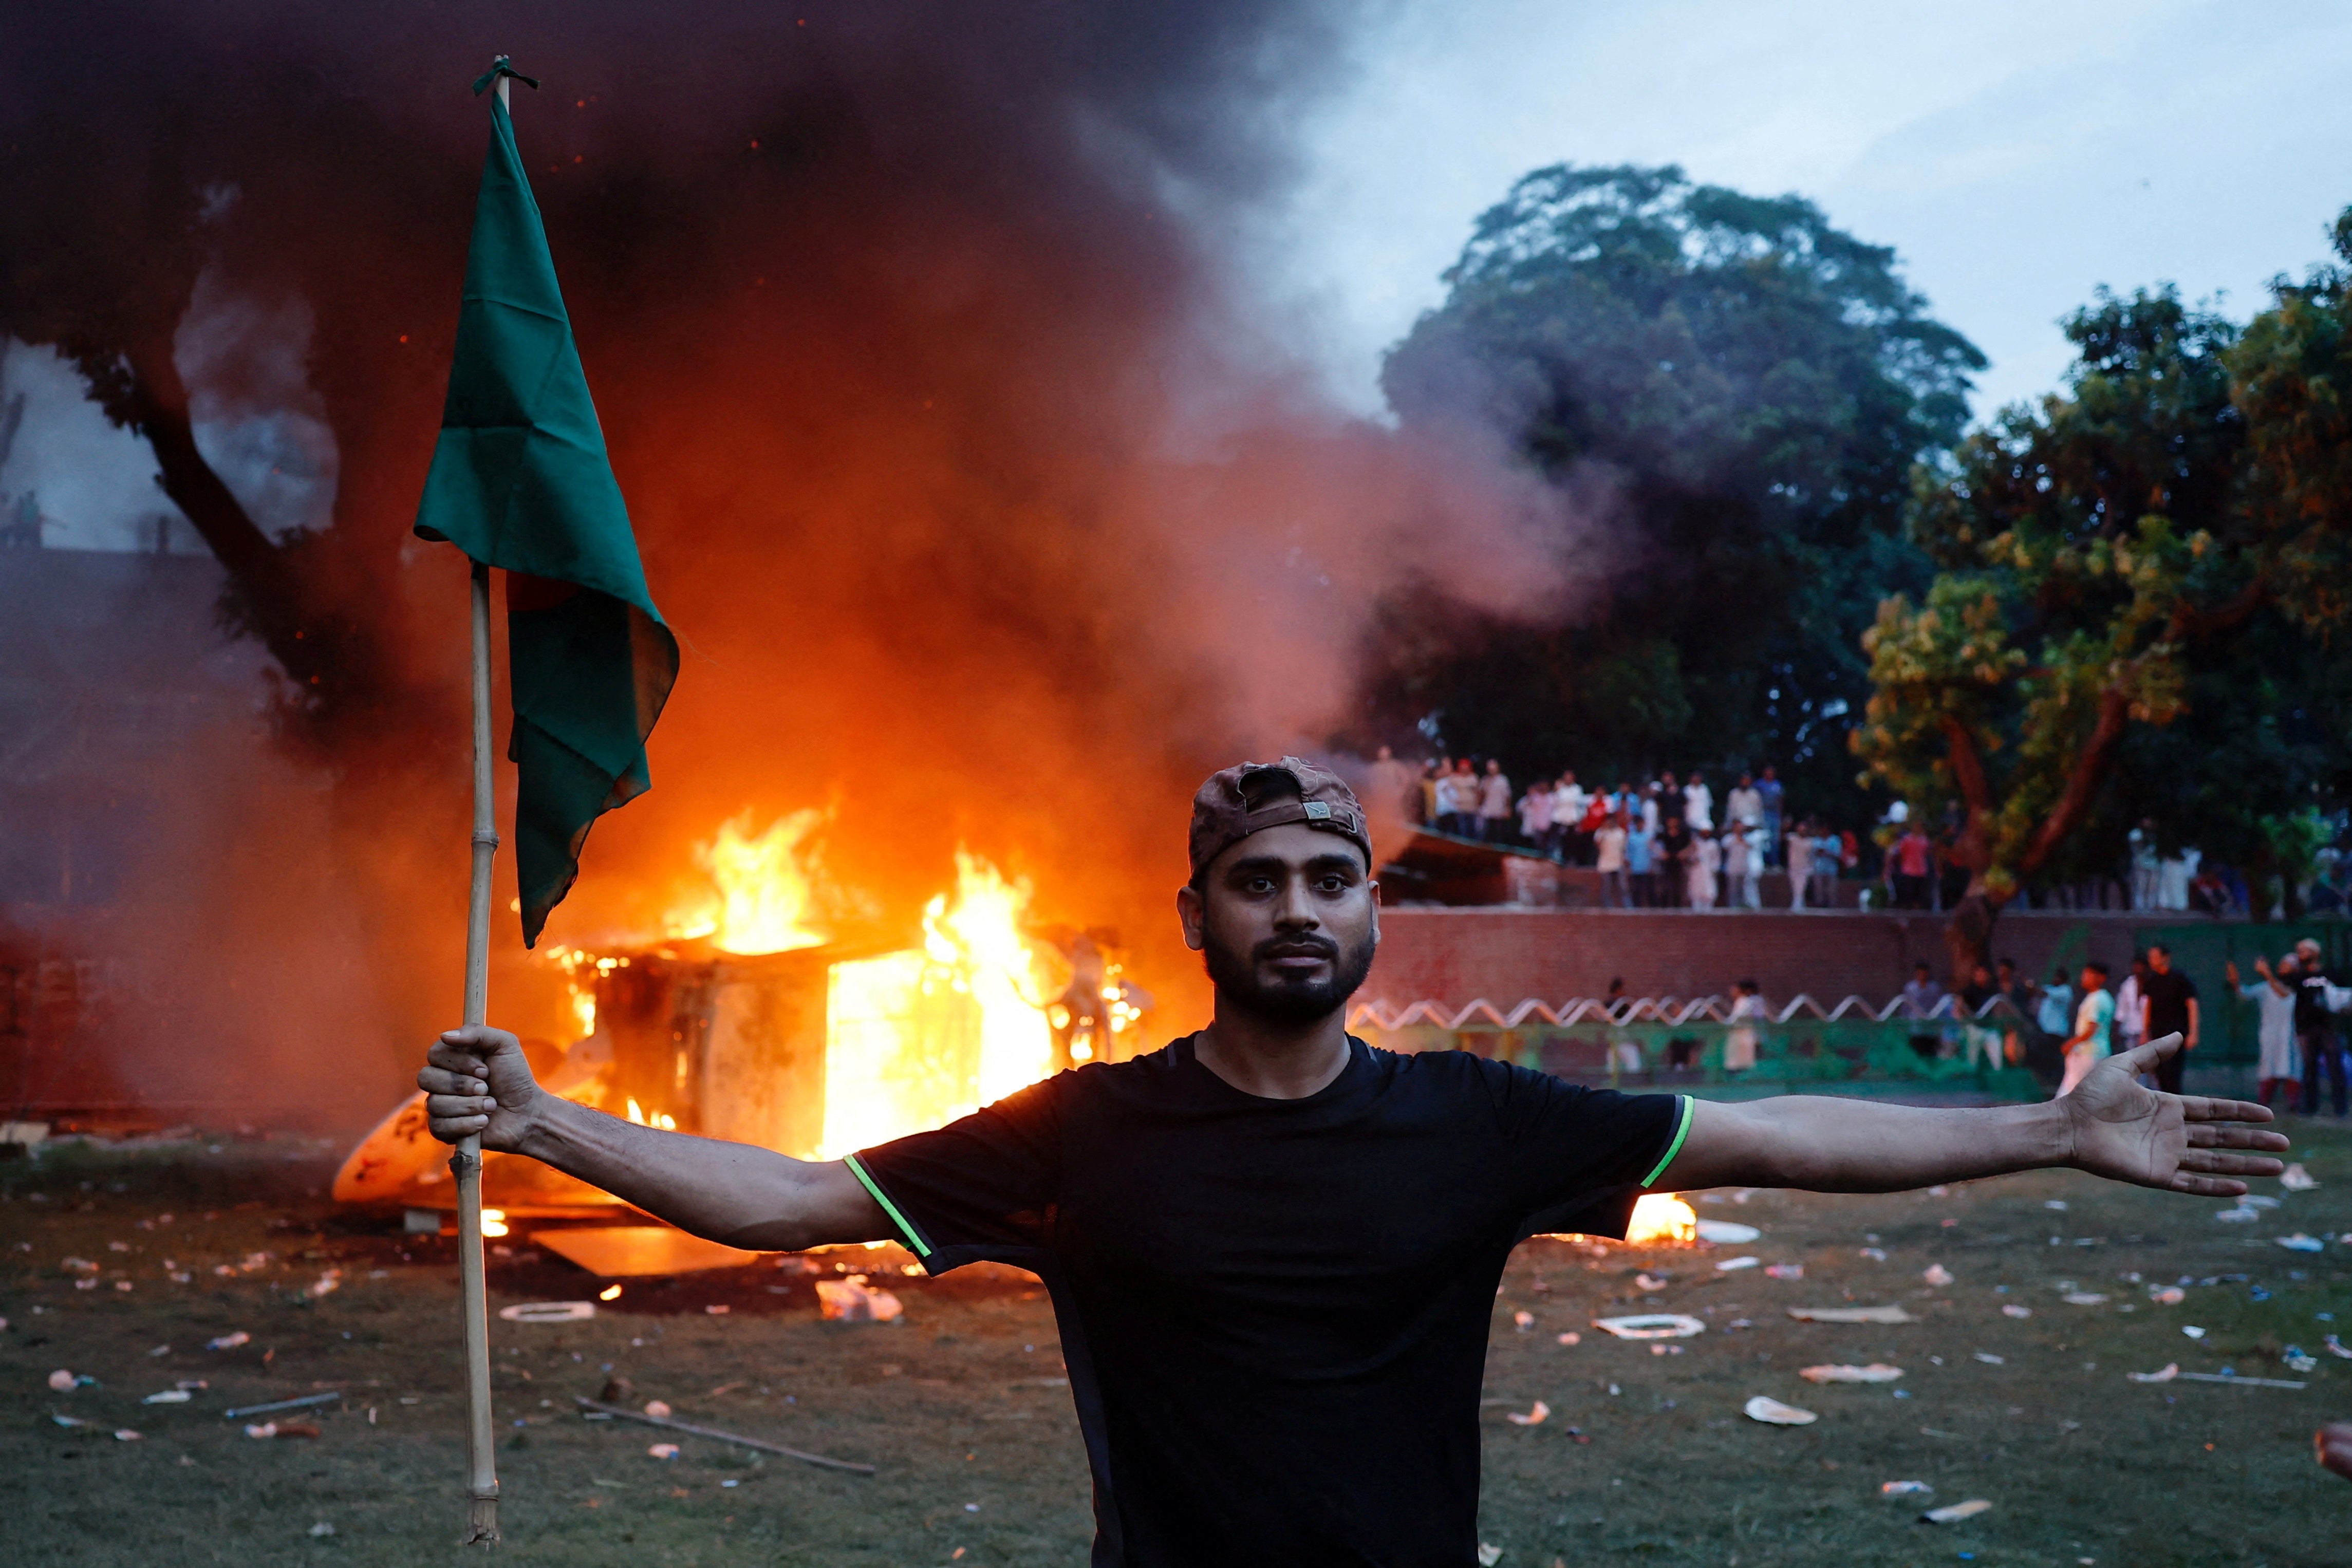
(2225, 1376)
(1851, 1315)
(1727, 1233)
(304, 1403)
(1876, 1372)
(2016, 1311)
(229, 1342)
(1651, 1326)
(1786, 1270)
(595, 1410)
(1875, 1254)
(1772, 1413)
(2295, 1179)
(2193, 1331)
(657, 1408)
(850, 1301)
(169, 1396)
(548, 1311)
(1644, 1282)
(1905, 1488)
(1955, 1512)
(1523, 1320)
(1535, 1417)
(1989, 1359)
(320, 1531)
(63, 1381)
(2294, 1358)
(2238, 1215)
(2169, 1295)
(1572, 1338)
(1937, 1276)
(663, 1451)
(1488, 1555)
(125, 1435)
(1729, 1264)
(2169, 1371)
(2299, 1242)
(2336, 1347)
(2083, 1299)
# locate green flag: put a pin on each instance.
(521, 481)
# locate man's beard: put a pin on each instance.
(1300, 1001)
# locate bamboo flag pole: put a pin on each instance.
(466, 1164)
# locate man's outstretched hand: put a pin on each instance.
(477, 1080)
(2181, 1143)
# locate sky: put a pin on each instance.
(2016, 156)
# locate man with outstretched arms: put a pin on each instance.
(1272, 1250)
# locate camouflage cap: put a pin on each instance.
(1250, 798)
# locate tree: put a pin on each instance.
(1736, 391)
(2141, 550)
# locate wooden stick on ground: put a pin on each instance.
(621, 1412)
(466, 1164)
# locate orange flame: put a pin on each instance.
(1661, 1218)
(917, 1038)
(762, 897)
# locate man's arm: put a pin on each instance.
(477, 1081)
(2190, 1043)
(2109, 1126)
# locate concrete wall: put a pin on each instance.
(1506, 955)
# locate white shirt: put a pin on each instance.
(1609, 839)
(2276, 1035)
(1535, 811)
(1745, 805)
(1699, 807)
(1495, 795)
(2131, 1009)
(1801, 857)
(1569, 805)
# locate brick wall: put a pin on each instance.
(1506, 955)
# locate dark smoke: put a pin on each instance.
(978, 485)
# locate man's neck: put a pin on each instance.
(1273, 1061)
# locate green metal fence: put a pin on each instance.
(2201, 951)
(1945, 1052)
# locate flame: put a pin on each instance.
(762, 897)
(917, 1038)
(1661, 1217)
(637, 1114)
(494, 1222)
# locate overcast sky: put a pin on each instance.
(2017, 154)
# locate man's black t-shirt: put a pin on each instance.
(1274, 1312)
(2311, 1010)
(2168, 995)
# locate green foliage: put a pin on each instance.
(2127, 572)
(1735, 392)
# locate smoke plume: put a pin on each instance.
(979, 488)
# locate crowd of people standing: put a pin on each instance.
(1666, 844)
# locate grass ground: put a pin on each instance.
(1643, 1458)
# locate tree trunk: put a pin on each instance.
(1967, 934)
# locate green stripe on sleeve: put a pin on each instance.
(913, 1237)
(1681, 1130)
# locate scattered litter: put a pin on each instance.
(1534, 1417)
(2083, 1299)
(1772, 1413)
(2295, 1179)
(266, 1430)
(1572, 1337)
(2294, 1358)
(322, 1530)
(125, 1435)
(159, 1349)
(306, 1402)
(1905, 1488)
(2239, 1216)
(1728, 1263)
(1937, 1276)
(2258, 1201)
(1727, 1233)
(169, 1396)
(62, 1380)
(1989, 1359)
(593, 1410)
(330, 1283)
(657, 1408)
(70, 1420)
(2233, 1377)
(1651, 1326)
(1875, 1254)
(2057, 1205)
(229, 1342)
(2336, 1347)
(663, 1451)
(717, 1310)
(548, 1311)
(1644, 1282)
(1488, 1555)
(2171, 1296)
(2016, 1311)
(1523, 1320)
(2169, 1371)
(1876, 1372)
(1665, 1350)
(1851, 1315)
(1956, 1512)
(2299, 1242)
(849, 1301)
(1786, 1270)
(2193, 1331)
